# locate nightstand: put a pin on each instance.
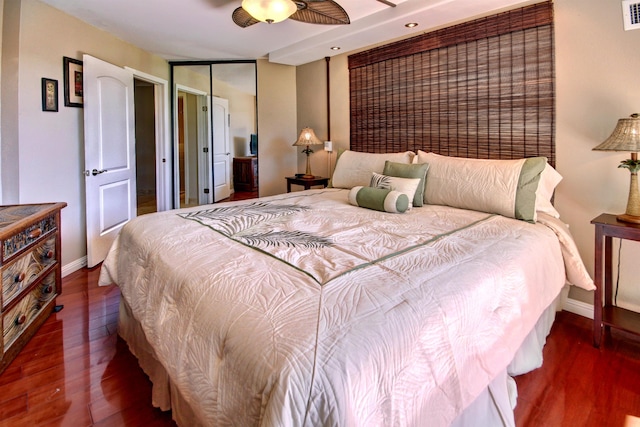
(306, 182)
(608, 315)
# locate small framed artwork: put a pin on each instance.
(72, 82)
(49, 94)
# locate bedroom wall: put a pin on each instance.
(42, 153)
(312, 110)
(596, 83)
(597, 72)
(50, 160)
(277, 120)
(9, 90)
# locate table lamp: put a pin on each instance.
(307, 137)
(626, 137)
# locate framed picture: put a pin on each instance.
(72, 82)
(49, 94)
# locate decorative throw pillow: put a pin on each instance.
(402, 170)
(407, 186)
(505, 187)
(354, 168)
(379, 199)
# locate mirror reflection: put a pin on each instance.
(215, 132)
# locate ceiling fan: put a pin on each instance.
(326, 12)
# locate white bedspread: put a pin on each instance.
(301, 309)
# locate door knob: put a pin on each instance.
(97, 172)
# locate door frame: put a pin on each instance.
(202, 141)
(163, 140)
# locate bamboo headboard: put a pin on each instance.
(482, 89)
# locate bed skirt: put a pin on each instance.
(494, 406)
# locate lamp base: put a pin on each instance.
(629, 218)
(307, 176)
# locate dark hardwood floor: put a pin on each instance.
(579, 385)
(77, 372)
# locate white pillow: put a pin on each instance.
(406, 186)
(549, 180)
(355, 168)
(505, 187)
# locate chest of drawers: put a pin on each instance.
(31, 272)
(245, 173)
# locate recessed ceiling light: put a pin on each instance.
(411, 24)
(335, 48)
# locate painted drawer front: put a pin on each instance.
(16, 320)
(22, 272)
(27, 236)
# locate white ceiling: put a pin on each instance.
(203, 29)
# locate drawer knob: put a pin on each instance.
(21, 319)
(49, 254)
(36, 232)
(20, 277)
(47, 289)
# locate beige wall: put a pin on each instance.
(597, 74)
(9, 149)
(276, 126)
(312, 110)
(42, 153)
(596, 70)
(192, 76)
(50, 158)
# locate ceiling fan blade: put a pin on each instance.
(326, 12)
(242, 18)
(388, 3)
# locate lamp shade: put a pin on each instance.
(307, 137)
(625, 137)
(270, 11)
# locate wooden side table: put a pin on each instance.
(306, 182)
(608, 227)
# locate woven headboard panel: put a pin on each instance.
(482, 89)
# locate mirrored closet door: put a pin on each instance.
(215, 147)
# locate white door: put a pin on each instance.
(204, 150)
(109, 145)
(221, 148)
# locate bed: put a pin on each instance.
(324, 308)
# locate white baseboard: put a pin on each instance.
(74, 266)
(578, 307)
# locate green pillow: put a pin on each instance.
(402, 170)
(380, 199)
(525, 202)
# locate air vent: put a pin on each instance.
(631, 14)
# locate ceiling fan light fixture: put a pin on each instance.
(270, 11)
